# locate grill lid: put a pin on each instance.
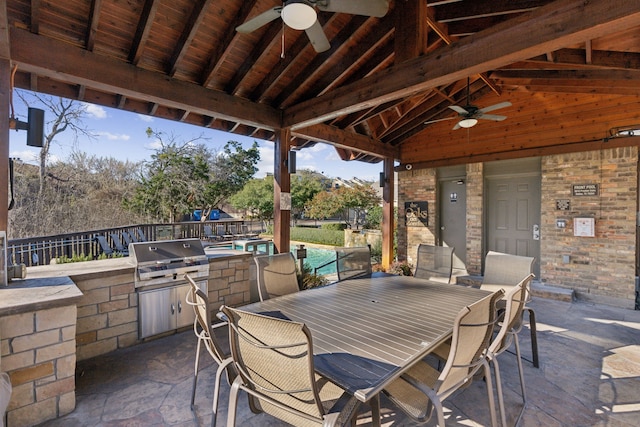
(166, 252)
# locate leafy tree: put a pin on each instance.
(257, 198)
(342, 201)
(305, 185)
(183, 176)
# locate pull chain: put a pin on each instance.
(282, 47)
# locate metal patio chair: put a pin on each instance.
(434, 263)
(422, 389)
(274, 360)
(276, 275)
(248, 233)
(510, 325)
(222, 234)
(503, 271)
(104, 245)
(204, 331)
(117, 243)
(353, 262)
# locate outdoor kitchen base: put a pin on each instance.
(162, 289)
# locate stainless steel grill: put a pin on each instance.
(159, 280)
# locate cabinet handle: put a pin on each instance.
(179, 306)
(173, 309)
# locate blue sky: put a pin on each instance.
(121, 135)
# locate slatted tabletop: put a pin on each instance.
(367, 332)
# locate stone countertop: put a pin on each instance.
(49, 286)
(30, 294)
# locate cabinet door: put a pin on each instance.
(185, 315)
(157, 310)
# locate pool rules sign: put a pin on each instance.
(416, 214)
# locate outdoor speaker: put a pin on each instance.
(292, 162)
(35, 128)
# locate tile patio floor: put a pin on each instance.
(589, 375)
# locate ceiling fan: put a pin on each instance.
(469, 114)
(302, 15)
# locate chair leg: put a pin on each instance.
(233, 403)
(496, 370)
(195, 374)
(522, 387)
(492, 404)
(534, 336)
(375, 411)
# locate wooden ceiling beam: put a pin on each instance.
(351, 141)
(471, 10)
(586, 80)
(35, 16)
(559, 24)
(188, 34)
(142, 31)
(94, 19)
(5, 49)
(55, 59)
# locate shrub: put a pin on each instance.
(336, 226)
(317, 236)
(308, 280)
(400, 268)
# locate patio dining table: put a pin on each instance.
(367, 332)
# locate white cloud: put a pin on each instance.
(265, 165)
(154, 145)
(144, 118)
(114, 136)
(95, 111)
(27, 156)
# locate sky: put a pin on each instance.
(122, 135)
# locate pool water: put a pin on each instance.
(315, 257)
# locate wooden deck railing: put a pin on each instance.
(41, 250)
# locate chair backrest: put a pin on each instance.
(434, 263)
(276, 275)
(202, 325)
(104, 245)
(220, 230)
(126, 236)
(472, 332)
(233, 229)
(511, 322)
(117, 243)
(353, 262)
(506, 269)
(274, 358)
(208, 231)
(141, 235)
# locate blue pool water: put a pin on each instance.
(315, 257)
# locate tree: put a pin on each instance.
(67, 115)
(257, 198)
(305, 185)
(342, 201)
(183, 176)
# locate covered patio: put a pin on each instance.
(589, 375)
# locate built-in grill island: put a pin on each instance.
(159, 281)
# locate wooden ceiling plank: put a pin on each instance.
(260, 50)
(222, 47)
(351, 141)
(188, 34)
(562, 23)
(94, 19)
(142, 31)
(319, 63)
(57, 60)
(470, 10)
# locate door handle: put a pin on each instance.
(536, 232)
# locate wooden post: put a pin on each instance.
(5, 113)
(387, 213)
(281, 193)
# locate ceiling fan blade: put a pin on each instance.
(377, 8)
(495, 107)
(493, 117)
(260, 20)
(318, 38)
(458, 109)
(457, 126)
(428, 122)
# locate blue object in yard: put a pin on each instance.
(197, 214)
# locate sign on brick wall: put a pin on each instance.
(416, 214)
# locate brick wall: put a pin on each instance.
(416, 186)
(602, 266)
(38, 353)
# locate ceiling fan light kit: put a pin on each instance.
(468, 123)
(299, 15)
